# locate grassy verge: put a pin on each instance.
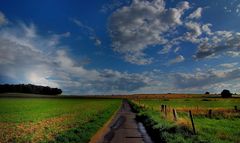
(218, 129)
(82, 133)
(162, 130)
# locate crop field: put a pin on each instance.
(220, 125)
(53, 120)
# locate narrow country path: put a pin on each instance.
(125, 129)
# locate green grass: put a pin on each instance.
(56, 120)
(218, 130)
(211, 130)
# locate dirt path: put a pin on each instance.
(124, 129)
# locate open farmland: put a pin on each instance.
(53, 120)
(219, 126)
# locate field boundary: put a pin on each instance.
(98, 136)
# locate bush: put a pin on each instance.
(226, 93)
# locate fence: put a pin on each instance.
(169, 112)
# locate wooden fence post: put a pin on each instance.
(210, 113)
(175, 115)
(235, 107)
(191, 117)
(162, 108)
(165, 110)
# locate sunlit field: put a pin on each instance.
(53, 120)
(219, 126)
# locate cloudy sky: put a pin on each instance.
(121, 46)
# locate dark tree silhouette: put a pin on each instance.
(207, 92)
(226, 93)
(29, 88)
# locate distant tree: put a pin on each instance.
(29, 88)
(226, 93)
(207, 92)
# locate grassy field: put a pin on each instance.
(53, 120)
(221, 127)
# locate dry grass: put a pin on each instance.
(184, 122)
(223, 112)
(9, 132)
(165, 96)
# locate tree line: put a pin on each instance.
(29, 88)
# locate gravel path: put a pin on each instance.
(125, 129)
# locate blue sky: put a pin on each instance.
(121, 46)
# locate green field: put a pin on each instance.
(53, 120)
(222, 127)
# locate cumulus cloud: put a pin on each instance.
(218, 42)
(25, 55)
(35, 59)
(143, 24)
(206, 29)
(195, 27)
(196, 14)
(28, 57)
(178, 59)
(228, 65)
(204, 79)
(233, 53)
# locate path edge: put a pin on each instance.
(99, 135)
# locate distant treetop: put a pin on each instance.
(207, 92)
(29, 88)
(226, 93)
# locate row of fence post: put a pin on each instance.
(175, 115)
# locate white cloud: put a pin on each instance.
(196, 14)
(184, 5)
(195, 28)
(178, 59)
(32, 58)
(91, 33)
(177, 49)
(143, 24)
(229, 65)
(129, 25)
(25, 59)
(3, 19)
(27, 56)
(233, 53)
(218, 42)
(205, 78)
(30, 30)
(206, 28)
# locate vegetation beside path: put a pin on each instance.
(221, 126)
